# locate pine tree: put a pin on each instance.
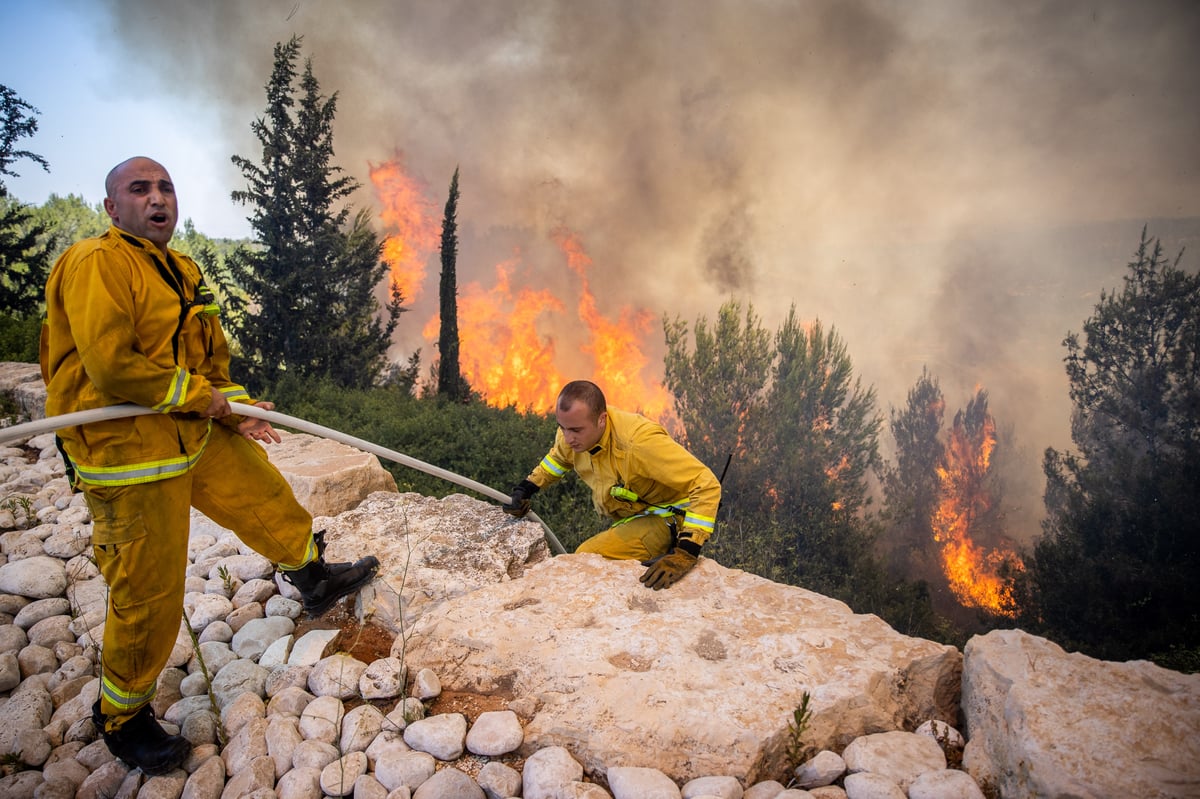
(310, 285)
(18, 120)
(451, 383)
(816, 446)
(803, 433)
(24, 261)
(1116, 571)
(910, 486)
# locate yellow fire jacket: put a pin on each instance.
(640, 455)
(123, 325)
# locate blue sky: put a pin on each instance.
(53, 55)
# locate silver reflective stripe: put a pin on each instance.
(553, 467)
(176, 392)
(134, 474)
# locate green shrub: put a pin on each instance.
(19, 336)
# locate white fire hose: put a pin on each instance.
(39, 426)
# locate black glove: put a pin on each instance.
(518, 505)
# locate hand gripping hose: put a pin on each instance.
(39, 426)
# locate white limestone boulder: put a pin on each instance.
(23, 383)
(1044, 722)
(328, 477)
(696, 680)
(430, 550)
(37, 577)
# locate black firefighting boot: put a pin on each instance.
(321, 584)
(142, 743)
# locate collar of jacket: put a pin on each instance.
(136, 241)
(606, 438)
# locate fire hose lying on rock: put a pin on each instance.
(49, 425)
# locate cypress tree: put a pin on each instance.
(451, 383)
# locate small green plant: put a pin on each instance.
(21, 506)
(797, 750)
(226, 578)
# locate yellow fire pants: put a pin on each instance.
(140, 539)
(639, 538)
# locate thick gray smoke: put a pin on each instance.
(948, 184)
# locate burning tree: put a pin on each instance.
(945, 511)
(1116, 571)
(513, 329)
(968, 512)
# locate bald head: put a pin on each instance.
(140, 199)
(114, 175)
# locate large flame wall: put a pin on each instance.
(510, 331)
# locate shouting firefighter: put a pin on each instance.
(129, 320)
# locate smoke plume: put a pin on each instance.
(947, 184)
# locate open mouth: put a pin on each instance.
(158, 219)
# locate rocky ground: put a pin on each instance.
(277, 705)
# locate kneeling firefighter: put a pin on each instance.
(663, 501)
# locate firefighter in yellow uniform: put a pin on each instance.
(129, 320)
(662, 499)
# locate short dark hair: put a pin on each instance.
(583, 391)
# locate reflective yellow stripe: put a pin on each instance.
(176, 392)
(553, 467)
(700, 522)
(123, 699)
(310, 554)
(209, 302)
(136, 473)
(235, 393)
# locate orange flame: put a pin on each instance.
(972, 573)
(501, 352)
(615, 347)
(413, 217)
(511, 338)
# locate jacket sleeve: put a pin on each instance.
(668, 463)
(98, 297)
